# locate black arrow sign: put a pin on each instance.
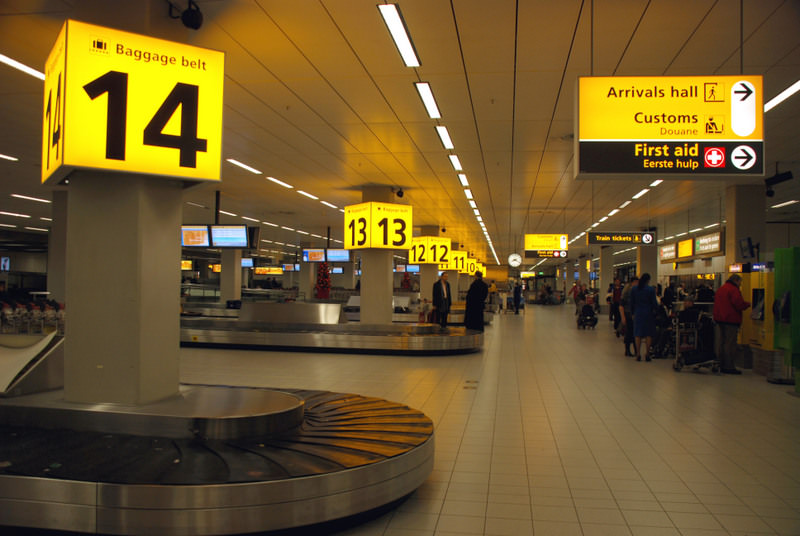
(746, 92)
(747, 157)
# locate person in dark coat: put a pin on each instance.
(442, 299)
(476, 298)
(517, 297)
(643, 306)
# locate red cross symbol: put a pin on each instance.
(714, 157)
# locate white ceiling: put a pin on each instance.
(316, 95)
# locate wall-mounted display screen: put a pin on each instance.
(313, 255)
(337, 270)
(413, 268)
(247, 263)
(288, 267)
(195, 236)
(338, 255)
(400, 268)
(186, 265)
(229, 236)
(216, 268)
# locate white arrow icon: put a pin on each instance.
(743, 157)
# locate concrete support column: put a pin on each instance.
(743, 222)
(377, 281)
(123, 288)
(606, 272)
(647, 262)
(307, 280)
(57, 249)
(583, 273)
(230, 279)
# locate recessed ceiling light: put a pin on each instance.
(328, 204)
(310, 196)
(641, 193)
(625, 204)
(27, 198)
(21, 66)
(468, 193)
(456, 162)
(397, 28)
(782, 96)
(15, 214)
(6, 157)
(270, 224)
(243, 166)
(227, 213)
(656, 183)
(426, 94)
(248, 219)
(784, 204)
(463, 179)
(445, 137)
(276, 181)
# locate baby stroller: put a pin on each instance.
(587, 317)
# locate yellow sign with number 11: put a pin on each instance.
(128, 102)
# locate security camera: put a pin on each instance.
(444, 230)
(770, 192)
(400, 193)
(191, 17)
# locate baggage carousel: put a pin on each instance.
(319, 327)
(209, 460)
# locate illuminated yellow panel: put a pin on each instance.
(139, 104)
(186, 265)
(472, 266)
(216, 268)
(546, 241)
(458, 261)
(429, 250)
(53, 109)
(378, 225)
(671, 108)
(685, 248)
(268, 270)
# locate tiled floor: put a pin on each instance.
(551, 431)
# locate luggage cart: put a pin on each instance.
(694, 342)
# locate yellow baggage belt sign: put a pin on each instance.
(546, 241)
(672, 126)
(127, 102)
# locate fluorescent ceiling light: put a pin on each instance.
(270, 224)
(595, 225)
(310, 196)
(227, 213)
(243, 166)
(45, 219)
(785, 204)
(287, 228)
(641, 193)
(473, 204)
(463, 178)
(604, 218)
(394, 21)
(456, 162)
(341, 210)
(613, 212)
(18, 196)
(280, 244)
(695, 230)
(710, 226)
(15, 214)
(680, 234)
(316, 235)
(338, 241)
(425, 93)
(660, 240)
(36, 229)
(276, 181)
(302, 232)
(267, 241)
(669, 238)
(476, 211)
(468, 193)
(782, 96)
(21, 66)
(328, 204)
(8, 225)
(656, 183)
(248, 219)
(445, 137)
(625, 204)
(6, 157)
(196, 204)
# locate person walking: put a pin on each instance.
(728, 307)
(442, 299)
(643, 307)
(627, 314)
(517, 297)
(476, 299)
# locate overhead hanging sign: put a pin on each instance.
(429, 250)
(671, 126)
(127, 102)
(546, 245)
(377, 225)
(639, 239)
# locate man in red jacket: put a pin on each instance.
(728, 307)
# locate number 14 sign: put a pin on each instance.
(377, 225)
(127, 102)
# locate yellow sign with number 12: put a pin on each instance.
(127, 102)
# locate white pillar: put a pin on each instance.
(743, 221)
(57, 248)
(376, 270)
(230, 279)
(606, 272)
(122, 288)
(647, 262)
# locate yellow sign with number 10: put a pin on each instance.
(377, 225)
(127, 102)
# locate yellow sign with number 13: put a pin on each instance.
(127, 102)
(377, 225)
